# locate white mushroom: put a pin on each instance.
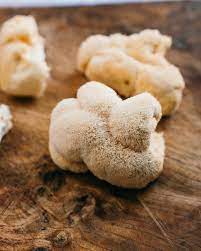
(5, 120)
(23, 70)
(114, 139)
(133, 64)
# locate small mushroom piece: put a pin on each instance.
(133, 64)
(5, 120)
(23, 69)
(113, 138)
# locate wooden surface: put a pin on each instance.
(44, 208)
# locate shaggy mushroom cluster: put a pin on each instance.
(23, 69)
(133, 64)
(113, 138)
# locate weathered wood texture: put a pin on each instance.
(44, 208)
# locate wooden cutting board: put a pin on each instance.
(45, 208)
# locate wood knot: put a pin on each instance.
(62, 239)
(79, 207)
(43, 191)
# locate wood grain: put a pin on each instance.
(44, 208)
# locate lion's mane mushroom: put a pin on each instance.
(23, 70)
(5, 120)
(133, 64)
(114, 139)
